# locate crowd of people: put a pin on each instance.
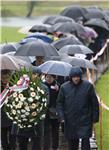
(72, 102)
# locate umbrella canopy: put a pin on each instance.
(98, 23)
(75, 61)
(69, 27)
(74, 49)
(96, 13)
(51, 20)
(66, 41)
(74, 12)
(26, 40)
(56, 68)
(41, 36)
(5, 48)
(38, 48)
(40, 28)
(12, 62)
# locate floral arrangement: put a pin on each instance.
(28, 106)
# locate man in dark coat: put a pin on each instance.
(51, 122)
(8, 141)
(78, 108)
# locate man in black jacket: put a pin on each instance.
(8, 141)
(51, 120)
(78, 108)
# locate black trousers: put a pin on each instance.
(23, 143)
(74, 144)
(51, 134)
(8, 141)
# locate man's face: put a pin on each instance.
(76, 80)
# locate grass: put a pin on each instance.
(102, 88)
(10, 34)
(20, 8)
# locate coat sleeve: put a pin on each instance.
(95, 105)
(60, 104)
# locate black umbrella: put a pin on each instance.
(96, 13)
(97, 23)
(69, 27)
(66, 41)
(74, 12)
(38, 48)
(51, 20)
(5, 48)
(41, 28)
(74, 49)
(74, 61)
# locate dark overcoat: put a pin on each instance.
(78, 106)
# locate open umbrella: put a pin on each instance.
(41, 28)
(41, 36)
(69, 27)
(74, 49)
(55, 68)
(97, 23)
(51, 20)
(38, 48)
(74, 12)
(12, 63)
(66, 41)
(26, 40)
(74, 61)
(96, 13)
(5, 48)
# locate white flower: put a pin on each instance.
(16, 99)
(15, 94)
(32, 89)
(30, 99)
(15, 122)
(25, 75)
(23, 111)
(24, 119)
(34, 113)
(33, 106)
(42, 91)
(37, 97)
(45, 104)
(44, 99)
(38, 88)
(23, 116)
(43, 116)
(35, 123)
(18, 111)
(16, 118)
(31, 120)
(33, 94)
(27, 113)
(29, 126)
(13, 112)
(23, 99)
(34, 83)
(13, 103)
(20, 96)
(19, 82)
(19, 105)
(27, 108)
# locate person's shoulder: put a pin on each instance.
(65, 84)
(86, 82)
